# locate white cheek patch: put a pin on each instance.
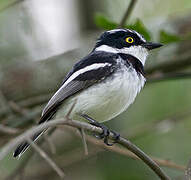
(106, 48)
(139, 52)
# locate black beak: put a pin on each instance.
(150, 45)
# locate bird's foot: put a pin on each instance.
(105, 134)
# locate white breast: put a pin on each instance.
(107, 99)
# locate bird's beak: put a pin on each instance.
(151, 45)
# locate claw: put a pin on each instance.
(105, 134)
(116, 136)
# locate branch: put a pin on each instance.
(169, 76)
(49, 142)
(46, 158)
(126, 143)
(83, 135)
(8, 130)
(127, 13)
(21, 167)
(4, 102)
(26, 159)
(171, 64)
(16, 108)
(123, 151)
(11, 5)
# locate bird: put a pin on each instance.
(103, 84)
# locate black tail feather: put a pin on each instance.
(46, 117)
(21, 148)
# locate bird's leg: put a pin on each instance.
(105, 134)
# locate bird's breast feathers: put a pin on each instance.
(107, 99)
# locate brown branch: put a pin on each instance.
(49, 142)
(169, 76)
(16, 108)
(26, 160)
(8, 130)
(188, 171)
(46, 158)
(71, 109)
(127, 13)
(83, 135)
(10, 5)
(171, 64)
(66, 160)
(123, 151)
(21, 167)
(124, 142)
(5, 103)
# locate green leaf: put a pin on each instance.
(103, 22)
(166, 37)
(106, 24)
(140, 27)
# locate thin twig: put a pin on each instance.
(123, 151)
(16, 108)
(188, 171)
(69, 158)
(71, 109)
(169, 76)
(127, 13)
(26, 160)
(10, 5)
(8, 130)
(82, 133)
(171, 64)
(47, 158)
(49, 143)
(124, 142)
(5, 103)
(21, 167)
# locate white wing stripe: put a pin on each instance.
(76, 74)
(85, 69)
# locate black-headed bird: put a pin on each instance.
(103, 84)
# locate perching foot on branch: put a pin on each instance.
(106, 131)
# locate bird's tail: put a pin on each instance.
(21, 148)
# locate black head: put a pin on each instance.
(121, 38)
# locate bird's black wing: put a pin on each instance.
(90, 70)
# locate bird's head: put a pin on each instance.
(125, 41)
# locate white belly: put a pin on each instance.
(107, 99)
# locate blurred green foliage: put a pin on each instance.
(166, 37)
(140, 27)
(106, 24)
(7, 3)
(102, 22)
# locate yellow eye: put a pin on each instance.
(129, 40)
